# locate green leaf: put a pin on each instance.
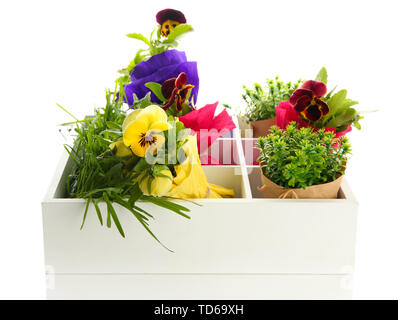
(139, 36)
(348, 103)
(322, 76)
(337, 100)
(179, 31)
(129, 207)
(349, 114)
(85, 212)
(357, 125)
(113, 214)
(142, 103)
(70, 154)
(150, 232)
(108, 214)
(327, 97)
(144, 212)
(141, 219)
(168, 43)
(141, 166)
(97, 209)
(156, 88)
(168, 205)
(67, 112)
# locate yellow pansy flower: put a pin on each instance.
(169, 19)
(143, 129)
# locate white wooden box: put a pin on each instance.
(247, 247)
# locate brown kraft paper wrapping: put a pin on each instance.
(321, 191)
(261, 127)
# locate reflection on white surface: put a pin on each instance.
(199, 286)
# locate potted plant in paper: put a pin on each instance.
(312, 105)
(306, 153)
(302, 163)
(261, 102)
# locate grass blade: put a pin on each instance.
(97, 209)
(168, 205)
(113, 214)
(150, 232)
(126, 205)
(85, 212)
(67, 112)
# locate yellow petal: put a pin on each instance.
(152, 114)
(132, 136)
(159, 125)
(130, 118)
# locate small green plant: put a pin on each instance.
(262, 101)
(299, 158)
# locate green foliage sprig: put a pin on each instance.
(262, 101)
(341, 114)
(299, 158)
(154, 45)
(99, 175)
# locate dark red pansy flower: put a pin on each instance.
(169, 19)
(175, 90)
(306, 100)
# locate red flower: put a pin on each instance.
(306, 100)
(208, 128)
(176, 90)
(285, 114)
(170, 14)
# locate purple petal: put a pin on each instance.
(160, 68)
(167, 58)
(170, 14)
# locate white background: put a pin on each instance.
(68, 52)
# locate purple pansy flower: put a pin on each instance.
(159, 68)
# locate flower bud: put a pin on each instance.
(160, 183)
(121, 150)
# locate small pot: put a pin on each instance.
(261, 127)
(320, 191)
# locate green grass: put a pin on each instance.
(98, 175)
